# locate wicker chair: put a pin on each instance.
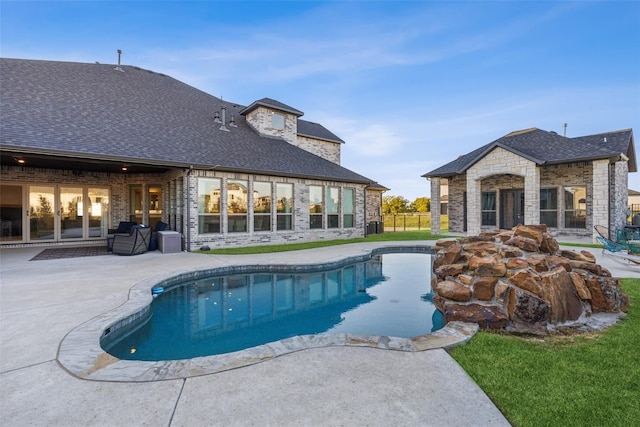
(135, 243)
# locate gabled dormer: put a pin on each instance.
(272, 118)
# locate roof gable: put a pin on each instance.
(273, 104)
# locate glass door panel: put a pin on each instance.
(41, 213)
(98, 205)
(11, 212)
(135, 203)
(72, 210)
(155, 204)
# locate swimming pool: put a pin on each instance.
(387, 295)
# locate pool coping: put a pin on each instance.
(81, 355)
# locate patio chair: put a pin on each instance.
(602, 231)
(619, 252)
(135, 243)
(124, 228)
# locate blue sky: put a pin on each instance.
(408, 85)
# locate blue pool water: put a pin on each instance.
(389, 294)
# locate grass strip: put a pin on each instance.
(585, 379)
(383, 237)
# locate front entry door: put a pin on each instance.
(511, 208)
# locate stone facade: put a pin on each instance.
(328, 150)
(181, 212)
(260, 120)
(619, 190)
(605, 186)
(501, 162)
(435, 207)
(374, 205)
(300, 230)
(457, 203)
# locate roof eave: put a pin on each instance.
(338, 141)
(92, 156)
(257, 104)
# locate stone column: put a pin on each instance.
(435, 205)
(532, 195)
(620, 193)
(474, 204)
(600, 197)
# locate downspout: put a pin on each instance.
(366, 228)
(188, 194)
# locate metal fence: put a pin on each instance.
(407, 221)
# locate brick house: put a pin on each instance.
(533, 176)
(84, 146)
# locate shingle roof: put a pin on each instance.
(271, 103)
(316, 130)
(93, 111)
(546, 148)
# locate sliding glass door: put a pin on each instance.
(41, 212)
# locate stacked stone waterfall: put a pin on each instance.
(520, 281)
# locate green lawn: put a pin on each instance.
(384, 237)
(584, 380)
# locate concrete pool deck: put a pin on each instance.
(42, 301)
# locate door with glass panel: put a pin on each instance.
(98, 212)
(71, 213)
(41, 214)
(11, 213)
(511, 208)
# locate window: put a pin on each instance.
(575, 207)
(315, 206)
(208, 205)
(277, 121)
(284, 206)
(237, 205)
(348, 207)
(261, 206)
(549, 207)
(333, 207)
(489, 208)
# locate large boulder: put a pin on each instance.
(486, 316)
(562, 296)
(520, 281)
(527, 312)
(453, 291)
